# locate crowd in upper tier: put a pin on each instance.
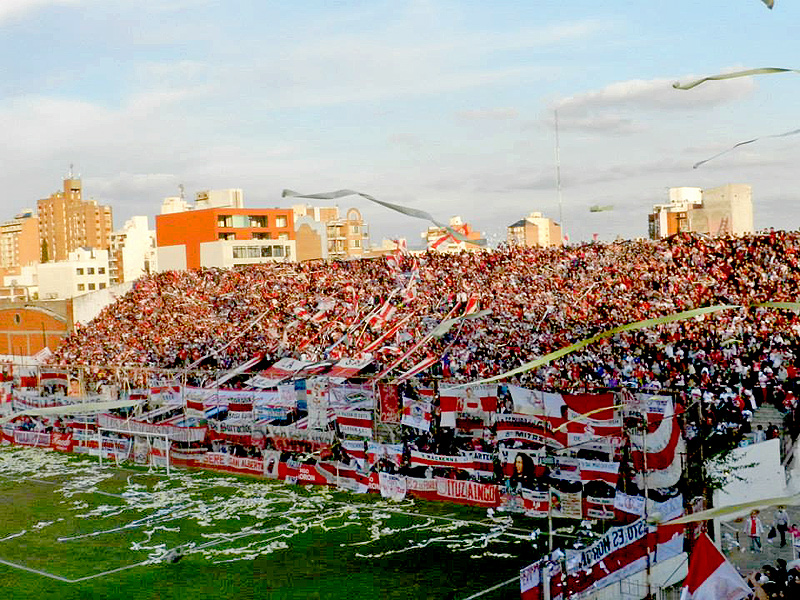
(540, 300)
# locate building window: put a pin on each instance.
(355, 243)
(91, 286)
(239, 251)
(355, 229)
(102, 286)
(79, 271)
(253, 252)
(226, 236)
(101, 270)
(259, 221)
(90, 271)
(241, 221)
(81, 287)
(283, 236)
(266, 251)
(280, 221)
(262, 235)
(224, 220)
(287, 251)
(277, 251)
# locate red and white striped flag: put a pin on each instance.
(355, 422)
(711, 576)
(425, 363)
(472, 305)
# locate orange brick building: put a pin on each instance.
(224, 237)
(26, 329)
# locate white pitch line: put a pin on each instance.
(493, 588)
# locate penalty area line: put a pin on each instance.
(64, 579)
(493, 588)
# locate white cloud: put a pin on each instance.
(488, 114)
(10, 9)
(655, 94)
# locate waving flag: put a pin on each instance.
(711, 576)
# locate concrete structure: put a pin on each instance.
(311, 237)
(133, 251)
(438, 239)
(229, 198)
(717, 211)
(21, 285)
(67, 222)
(19, 242)
(192, 239)
(534, 230)
(174, 204)
(346, 237)
(88, 306)
(86, 271)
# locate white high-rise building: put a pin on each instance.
(133, 251)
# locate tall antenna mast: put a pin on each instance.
(558, 179)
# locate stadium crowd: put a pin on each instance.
(540, 300)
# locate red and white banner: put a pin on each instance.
(283, 369)
(594, 470)
(530, 582)
(348, 367)
(423, 459)
(467, 492)
(421, 366)
(417, 414)
(61, 442)
(355, 422)
(393, 487)
(389, 400)
(226, 462)
(31, 438)
(178, 434)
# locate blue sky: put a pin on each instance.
(445, 106)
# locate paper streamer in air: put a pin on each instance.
(597, 208)
(548, 358)
(735, 511)
(769, 3)
(86, 408)
(411, 212)
(777, 135)
(733, 75)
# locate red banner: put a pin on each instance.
(467, 492)
(389, 398)
(61, 442)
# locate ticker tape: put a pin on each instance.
(777, 135)
(411, 212)
(733, 75)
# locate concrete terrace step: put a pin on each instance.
(767, 415)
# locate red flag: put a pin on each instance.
(711, 576)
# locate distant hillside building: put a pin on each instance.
(439, 239)
(723, 210)
(534, 230)
(68, 222)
